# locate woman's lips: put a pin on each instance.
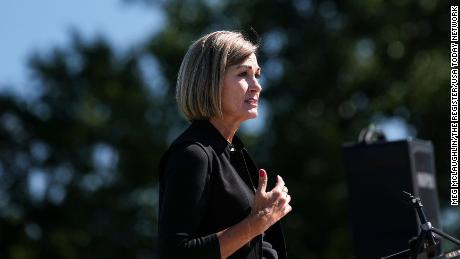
(251, 101)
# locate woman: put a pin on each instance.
(213, 199)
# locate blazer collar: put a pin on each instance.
(215, 139)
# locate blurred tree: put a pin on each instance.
(78, 171)
(78, 163)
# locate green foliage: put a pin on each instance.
(89, 137)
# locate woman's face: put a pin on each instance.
(241, 90)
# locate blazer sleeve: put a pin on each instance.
(183, 188)
(268, 252)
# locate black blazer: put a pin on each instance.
(207, 185)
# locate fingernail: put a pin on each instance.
(261, 173)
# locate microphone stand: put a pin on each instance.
(426, 233)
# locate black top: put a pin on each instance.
(208, 185)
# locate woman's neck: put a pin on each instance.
(226, 128)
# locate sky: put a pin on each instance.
(38, 26)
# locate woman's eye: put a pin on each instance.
(243, 73)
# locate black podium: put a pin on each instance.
(376, 174)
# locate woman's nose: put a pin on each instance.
(255, 86)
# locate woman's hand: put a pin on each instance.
(269, 207)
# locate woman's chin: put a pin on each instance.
(252, 115)
(248, 115)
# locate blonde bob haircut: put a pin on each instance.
(201, 74)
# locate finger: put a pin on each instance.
(288, 198)
(262, 181)
(281, 203)
(285, 189)
(287, 209)
(275, 196)
(279, 183)
(284, 200)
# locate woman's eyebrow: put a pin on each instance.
(248, 66)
